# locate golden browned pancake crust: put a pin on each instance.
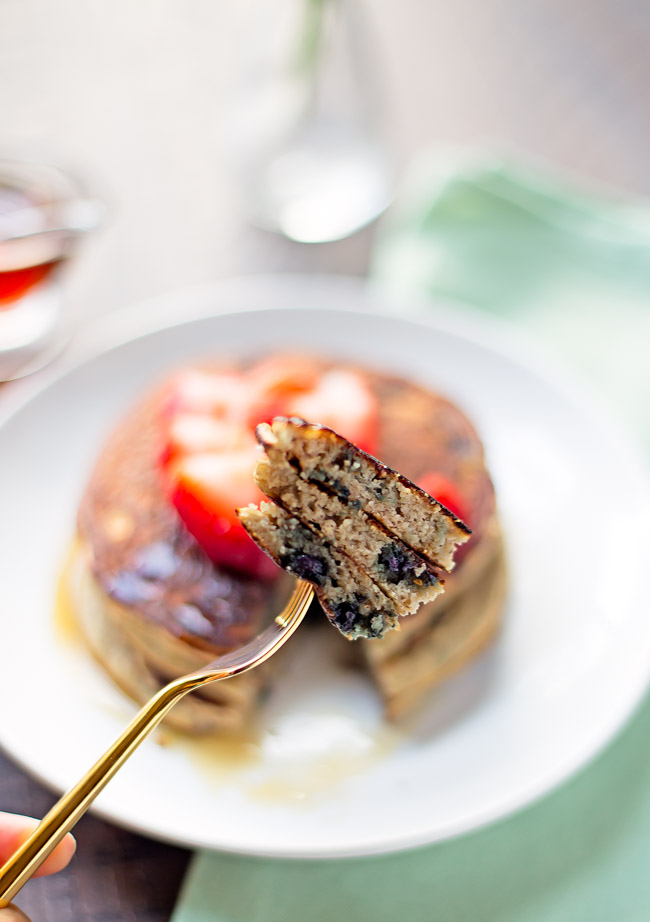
(143, 557)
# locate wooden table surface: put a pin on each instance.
(136, 95)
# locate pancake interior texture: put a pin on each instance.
(356, 605)
(322, 457)
(402, 574)
(327, 483)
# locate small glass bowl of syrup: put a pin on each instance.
(44, 212)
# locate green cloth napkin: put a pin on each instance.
(570, 269)
(573, 271)
(580, 855)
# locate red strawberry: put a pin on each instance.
(206, 489)
(195, 433)
(275, 383)
(210, 451)
(343, 401)
(445, 491)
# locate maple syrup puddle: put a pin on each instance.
(281, 764)
(66, 626)
(299, 756)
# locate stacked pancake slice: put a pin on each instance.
(444, 635)
(374, 545)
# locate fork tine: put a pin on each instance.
(265, 644)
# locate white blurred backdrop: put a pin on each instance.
(137, 94)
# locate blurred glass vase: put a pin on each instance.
(304, 132)
(43, 213)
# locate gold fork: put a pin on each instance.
(72, 806)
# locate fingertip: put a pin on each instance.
(15, 828)
(12, 913)
(60, 857)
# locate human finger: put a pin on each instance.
(15, 828)
(12, 914)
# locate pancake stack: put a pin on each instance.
(153, 606)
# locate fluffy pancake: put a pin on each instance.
(160, 606)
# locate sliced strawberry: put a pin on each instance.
(223, 395)
(440, 487)
(343, 401)
(195, 433)
(208, 461)
(279, 374)
(210, 450)
(275, 383)
(206, 489)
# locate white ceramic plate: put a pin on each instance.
(326, 779)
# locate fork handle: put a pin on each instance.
(72, 806)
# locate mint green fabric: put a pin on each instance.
(574, 272)
(580, 855)
(570, 269)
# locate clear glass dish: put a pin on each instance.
(44, 211)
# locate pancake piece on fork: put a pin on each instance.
(352, 504)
